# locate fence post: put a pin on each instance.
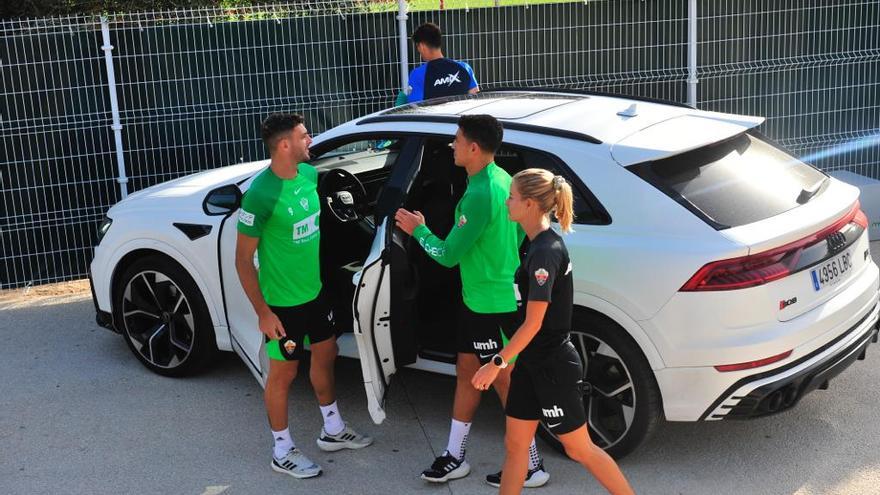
(404, 53)
(122, 179)
(692, 53)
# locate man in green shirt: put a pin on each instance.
(484, 243)
(279, 222)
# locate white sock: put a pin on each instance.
(534, 460)
(283, 442)
(332, 419)
(458, 435)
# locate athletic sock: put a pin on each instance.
(283, 442)
(534, 460)
(458, 436)
(333, 424)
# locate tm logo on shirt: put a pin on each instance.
(448, 80)
(305, 229)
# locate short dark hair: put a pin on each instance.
(277, 124)
(485, 130)
(429, 34)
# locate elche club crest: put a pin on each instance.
(461, 221)
(541, 276)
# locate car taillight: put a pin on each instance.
(860, 218)
(761, 268)
(725, 368)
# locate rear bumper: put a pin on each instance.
(782, 388)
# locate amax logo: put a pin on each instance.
(556, 412)
(448, 80)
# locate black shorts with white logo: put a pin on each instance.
(313, 319)
(549, 390)
(484, 334)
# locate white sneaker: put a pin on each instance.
(534, 478)
(296, 464)
(345, 439)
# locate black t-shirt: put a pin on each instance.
(446, 77)
(545, 275)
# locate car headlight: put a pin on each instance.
(105, 226)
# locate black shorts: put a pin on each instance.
(313, 319)
(549, 390)
(484, 334)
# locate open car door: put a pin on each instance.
(372, 321)
(384, 306)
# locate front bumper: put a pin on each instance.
(103, 318)
(774, 396)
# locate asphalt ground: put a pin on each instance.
(79, 415)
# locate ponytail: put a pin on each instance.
(564, 208)
(551, 192)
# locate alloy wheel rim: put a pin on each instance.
(158, 319)
(608, 392)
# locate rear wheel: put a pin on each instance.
(163, 317)
(621, 397)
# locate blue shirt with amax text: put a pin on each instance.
(440, 77)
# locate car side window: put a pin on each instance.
(587, 209)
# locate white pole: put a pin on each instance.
(404, 52)
(692, 53)
(114, 107)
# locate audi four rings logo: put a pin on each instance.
(836, 242)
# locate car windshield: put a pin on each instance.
(360, 156)
(734, 182)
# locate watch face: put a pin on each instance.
(497, 360)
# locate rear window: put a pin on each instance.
(734, 182)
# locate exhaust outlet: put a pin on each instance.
(775, 401)
(790, 396)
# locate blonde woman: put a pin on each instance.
(546, 382)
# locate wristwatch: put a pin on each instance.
(499, 361)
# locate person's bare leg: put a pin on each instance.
(580, 448)
(502, 384)
(322, 372)
(517, 439)
(467, 398)
(281, 375)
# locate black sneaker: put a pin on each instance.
(446, 468)
(535, 478)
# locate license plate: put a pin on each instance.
(832, 271)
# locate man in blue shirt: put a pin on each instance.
(438, 76)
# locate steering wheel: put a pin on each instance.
(343, 194)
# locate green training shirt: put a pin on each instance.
(484, 242)
(284, 214)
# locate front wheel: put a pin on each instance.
(621, 397)
(163, 317)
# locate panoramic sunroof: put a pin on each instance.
(503, 105)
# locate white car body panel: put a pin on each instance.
(676, 135)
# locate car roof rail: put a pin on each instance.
(589, 92)
(507, 124)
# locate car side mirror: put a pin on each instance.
(223, 200)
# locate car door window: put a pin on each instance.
(587, 209)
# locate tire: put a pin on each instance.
(617, 422)
(163, 317)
